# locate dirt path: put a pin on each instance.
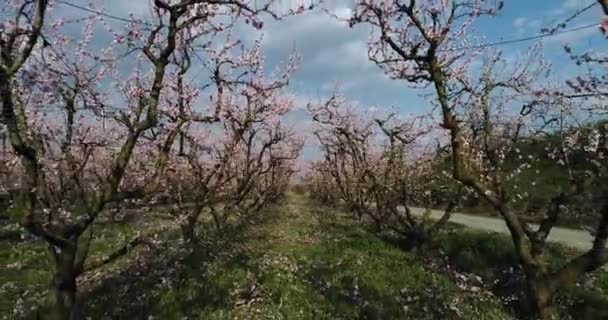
(577, 239)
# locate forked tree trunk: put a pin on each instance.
(188, 228)
(539, 283)
(66, 264)
(61, 298)
(540, 297)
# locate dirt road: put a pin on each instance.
(579, 239)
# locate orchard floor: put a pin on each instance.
(300, 261)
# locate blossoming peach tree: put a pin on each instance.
(237, 165)
(489, 107)
(380, 169)
(93, 126)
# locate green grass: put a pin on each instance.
(295, 261)
(20, 283)
(491, 256)
(24, 271)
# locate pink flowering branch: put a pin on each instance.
(418, 42)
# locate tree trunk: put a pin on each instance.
(377, 225)
(540, 296)
(423, 239)
(217, 220)
(61, 298)
(188, 233)
(539, 283)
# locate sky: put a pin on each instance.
(335, 56)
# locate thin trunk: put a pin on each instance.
(188, 233)
(378, 227)
(419, 237)
(219, 222)
(604, 5)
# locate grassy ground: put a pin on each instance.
(491, 256)
(24, 275)
(294, 261)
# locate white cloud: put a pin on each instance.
(308, 25)
(574, 4)
(350, 55)
(525, 25)
(555, 12)
(343, 13)
(301, 101)
(140, 8)
(572, 37)
(567, 7)
(520, 22)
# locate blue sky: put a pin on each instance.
(333, 55)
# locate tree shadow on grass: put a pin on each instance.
(492, 257)
(352, 291)
(360, 277)
(349, 299)
(172, 282)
